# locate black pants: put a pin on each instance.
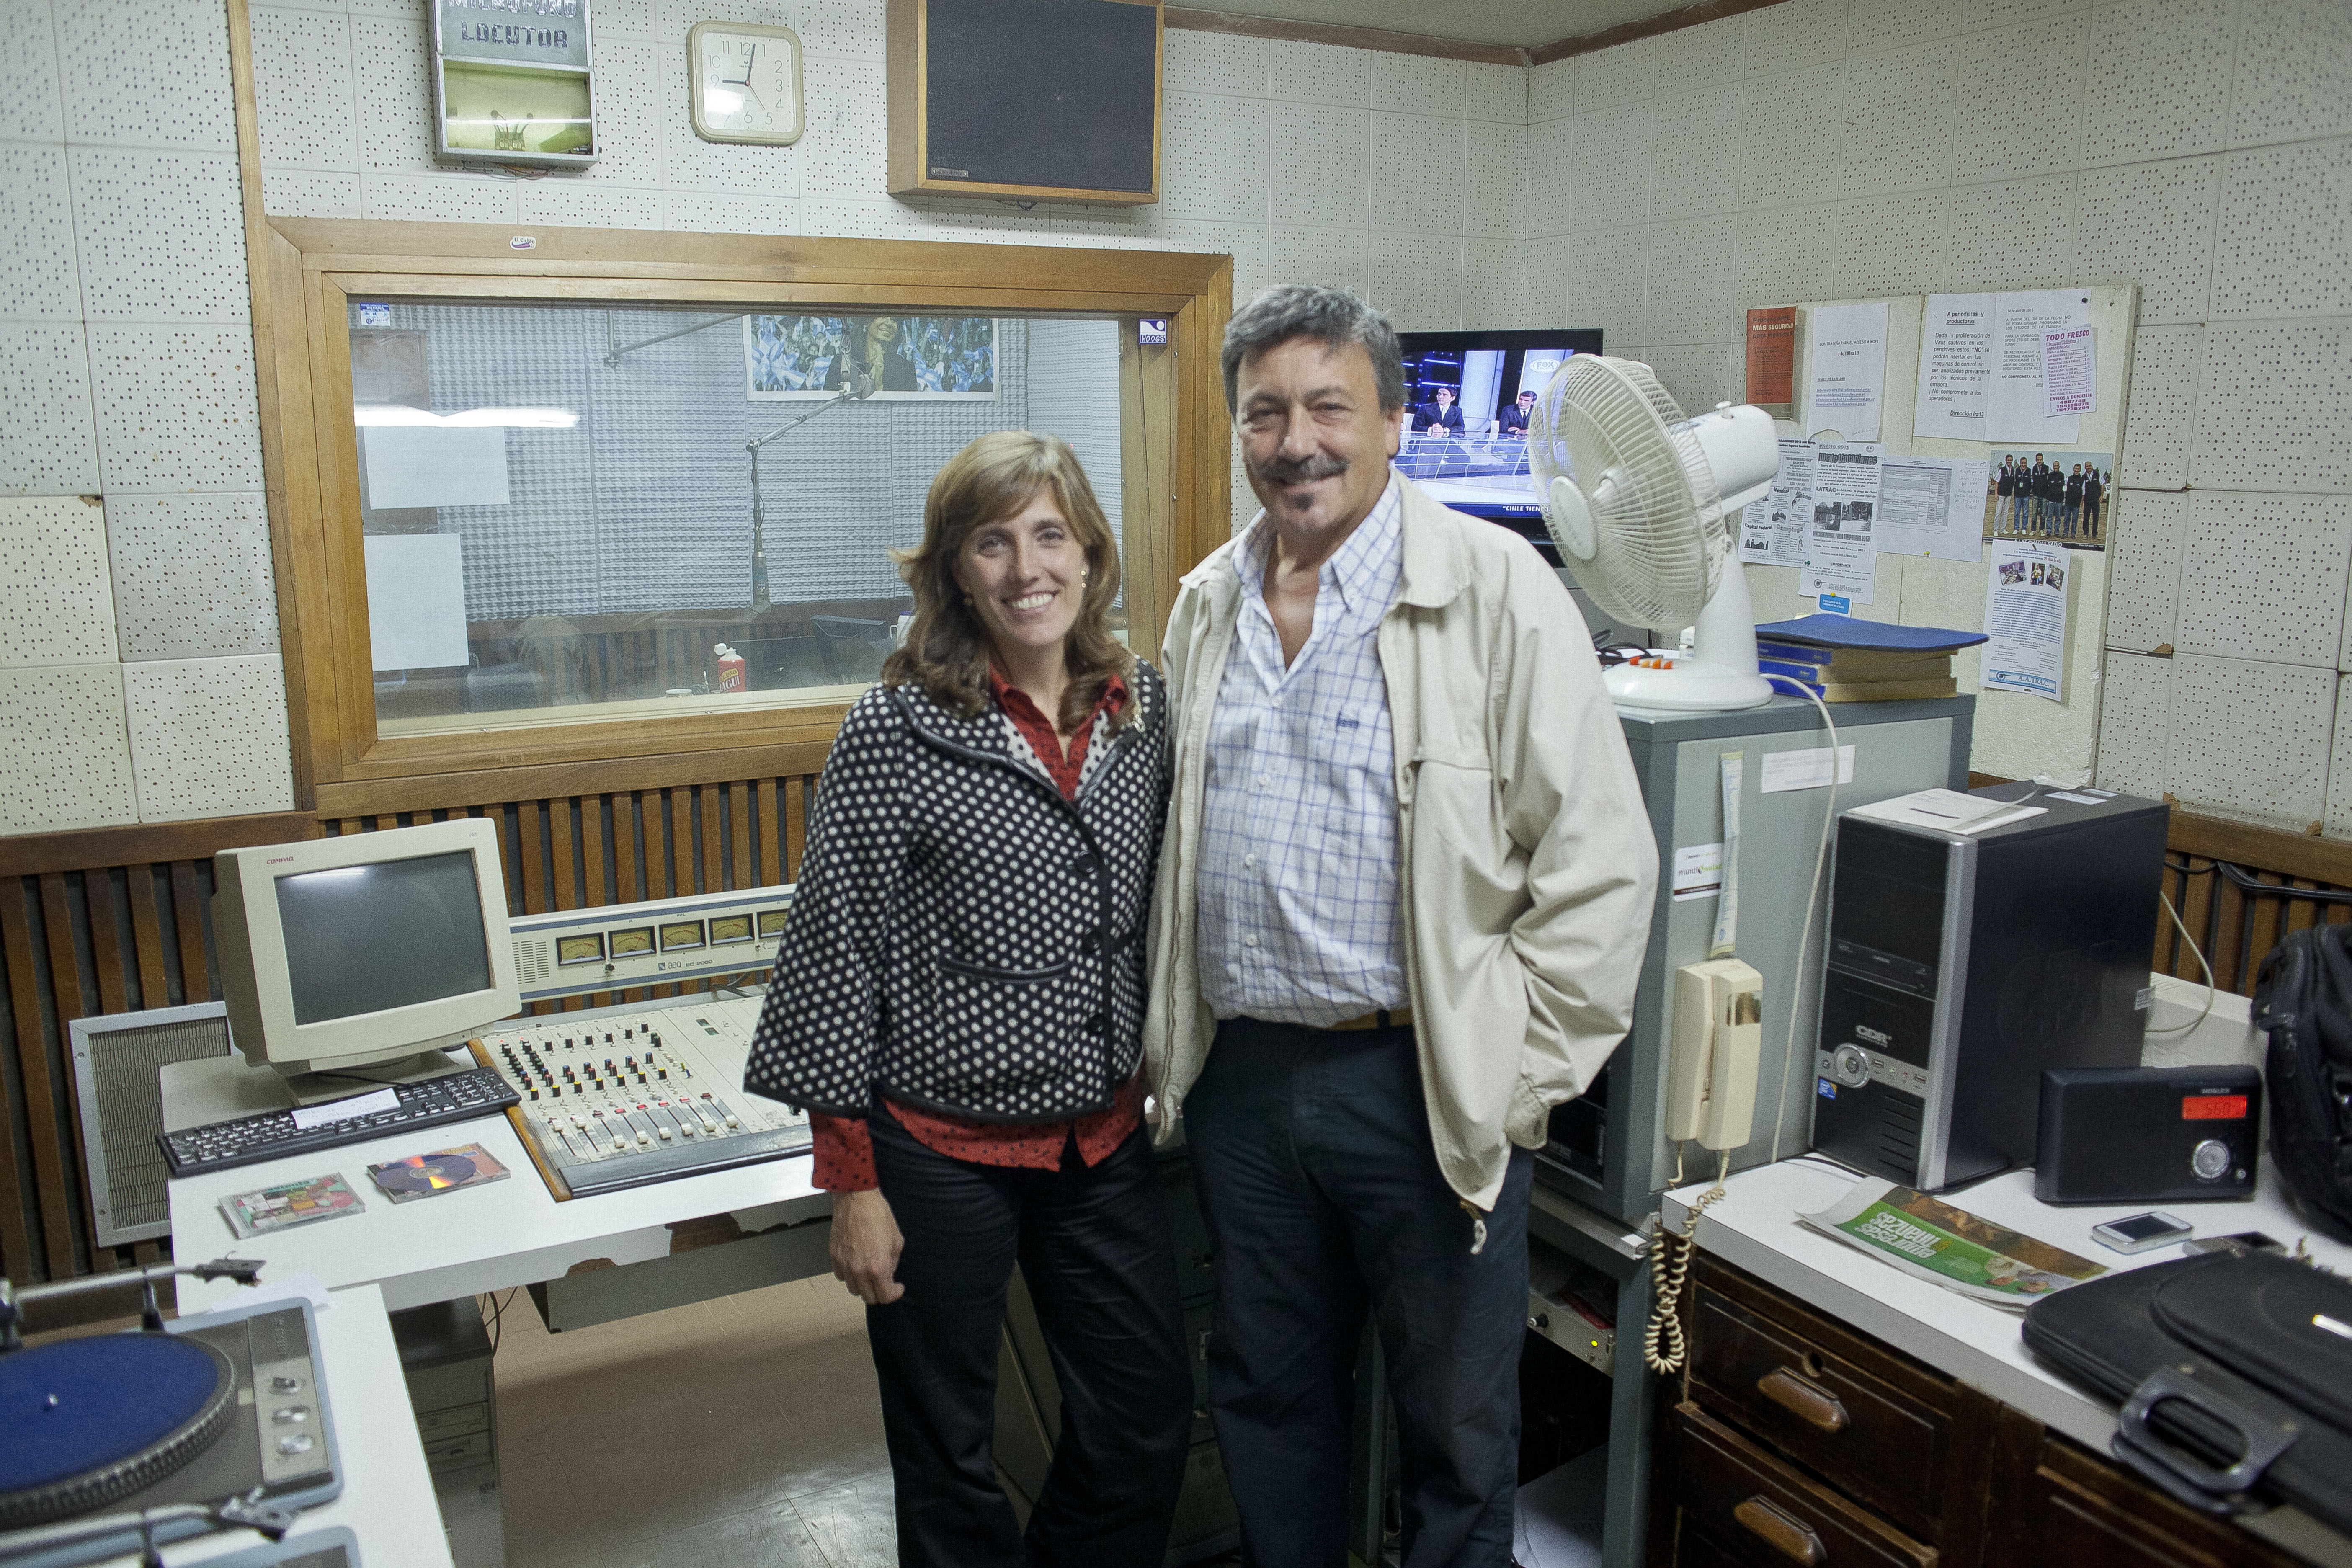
(1324, 1201)
(1095, 1248)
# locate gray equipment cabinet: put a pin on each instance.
(445, 1358)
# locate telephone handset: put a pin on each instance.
(1717, 1038)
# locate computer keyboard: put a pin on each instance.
(274, 1134)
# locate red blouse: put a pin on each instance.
(844, 1149)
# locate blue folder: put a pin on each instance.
(1878, 637)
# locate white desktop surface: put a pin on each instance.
(1755, 1226)
(387, 1497)
(473, 1239)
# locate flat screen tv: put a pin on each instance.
(1473, 456)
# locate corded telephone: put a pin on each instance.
(1719, 1036)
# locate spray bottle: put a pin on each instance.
(731, 669)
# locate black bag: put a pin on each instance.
(2235, 1376)
(2303, 997)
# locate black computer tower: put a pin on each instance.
(1959, 966)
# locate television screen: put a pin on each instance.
(1465, 437)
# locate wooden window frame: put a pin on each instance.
(1176, 494)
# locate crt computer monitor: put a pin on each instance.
(366, 949)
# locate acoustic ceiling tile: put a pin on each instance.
(2294, 58)
(1417, 84)
(1691, 292)
(1891, 122)
(30, 107)
(1790, 160)
(1612, 79)
(1691, 58)
(839, 27)
(391, 57)
(2250, 739)
(1600, 272)
(1548, 206)
(65, 749)
(1321, 171)
(55, 607)
(688, 162)
(439, 198)
(192, 575)
(2152, 224)
(1336, 259)
(161, 236)
(2166, 363)
(1549, 94)
(2160, 78)
(2135, 725)
(1414, 183)
(729, 212)
(1496, 176)
(574, 203)
(1316, 73)
(1213, 159)
(1417, 281)
(1225, 64)
(1608, 168)
(208, 737)
(1696, 375)
(2264, 576)
(1497, 93)
(310, 192)
(2023, 89)
(641, 89)
(2019, 233)
(2285, 232)
(176, 408)
(38, 278)
(304, 88)
(181, 97)
(2009, 13)
(2275, 402)
(1893, 244)
(48, 442)
(1507, 289)
(2150, 531)
(1788, 260)
(1776, 40)
(1709, 138)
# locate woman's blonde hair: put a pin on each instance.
(947, 650)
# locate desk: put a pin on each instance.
(387, 1497)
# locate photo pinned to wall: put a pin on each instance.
(906, 358)
(2064, 497)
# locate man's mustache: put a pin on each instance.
(1302, 470)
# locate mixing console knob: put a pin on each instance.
(643, 1139)
(619, 1142)
(663, 1074)
(641, 1078)
(732, 1122)
(685, 1129)
(534, 1094)
(664, 1131)
(300, 1443)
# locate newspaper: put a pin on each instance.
(1925, 1237)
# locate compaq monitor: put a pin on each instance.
(368, 948)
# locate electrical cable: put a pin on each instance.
(2184, 1028)
(1805, 922)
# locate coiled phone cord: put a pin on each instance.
(1663, 1350)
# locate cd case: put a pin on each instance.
(443, 1171)
(296, 1203)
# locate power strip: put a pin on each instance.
(574, 952)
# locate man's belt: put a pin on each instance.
(1384, 1019)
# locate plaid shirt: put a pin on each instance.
(1299, 853)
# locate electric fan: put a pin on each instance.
(1645, 505)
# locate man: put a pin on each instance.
(1403, 900)
(2073, 502)
(2038, 519)
(2095, 490)
(1442, 416)
(1515, 417)
(2004, 488)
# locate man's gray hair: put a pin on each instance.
(1333, 317)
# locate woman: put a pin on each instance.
(873, 350)
(959, 1002)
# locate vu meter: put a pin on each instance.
(727, 929)
(771, 922)
(580, 950)
(680, 934)
(632, 942)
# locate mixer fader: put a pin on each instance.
(621, 1097)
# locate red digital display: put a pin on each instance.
(2213, 1108)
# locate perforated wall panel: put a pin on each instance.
(2020, 120)
(2264, 577)
(2019, 233)
(2250, 739)
(841, 26)
(48, 444)
(208, 737)
(1609, 167)
(2152, 224)
(1892, 245)
(38, 281)
(65, 749)
(54, 604)
(1417, 280)
(2300, 52)
(1073, 383)
(192, 575)
(2147, 536)
(2282, 249)
(1602, 286)
(2159, 86)
(1495, 173)
(391, 58)
(2135, 725)
(2339, 768)
(29, 105)
(1780, 263)
(1689, 273)
(2161, 415)
(634, 102)
(176, 408)
(1225, 63)
(1407, 150)
(1213, 160)
(1336, 258)
(1894, 115)
(161, 236)
(304, 87)
(2276, 400)
(182, 99)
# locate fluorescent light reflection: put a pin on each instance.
(379, 414)
(718, 100)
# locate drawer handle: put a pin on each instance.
(1808, 1402)
(1781, 1533)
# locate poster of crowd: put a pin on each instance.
(902, 358)
(2062, 496)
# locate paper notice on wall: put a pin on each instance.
(435, 465)
(1846, 386)
(2070, 373)
(1840, 537)
(1772, 527)
(416, 600)
(2025, 619)
(1810, 769)
(1698, 872)
(1933, 506)
(1956, 361)
(2017, 410)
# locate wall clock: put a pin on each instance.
(744, 83)
(512, 82)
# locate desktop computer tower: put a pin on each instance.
(445, 1360)
(1607, 1150)
(1960, 965)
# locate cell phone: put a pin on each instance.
(2141, 1232)
(2244, 1244)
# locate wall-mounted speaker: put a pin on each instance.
(119, 1061)
(1036, 100)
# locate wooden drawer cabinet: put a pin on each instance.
(1797, 1441)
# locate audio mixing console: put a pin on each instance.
(624, 1096)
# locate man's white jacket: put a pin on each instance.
(1529, 868)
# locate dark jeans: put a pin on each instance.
(1095, 1249)
(1312, 1155)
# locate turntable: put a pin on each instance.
(116, 1443)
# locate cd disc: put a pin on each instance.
(448, 1170)
(405, 1178)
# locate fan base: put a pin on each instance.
(1691, 686)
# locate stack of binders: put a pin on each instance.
(1843, 659)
